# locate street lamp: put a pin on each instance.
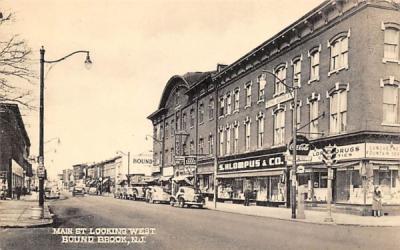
(129, 160)
(41, 168)
(294, 89)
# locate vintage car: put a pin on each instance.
(157, 194)
(78, 190)
(119, 192)
(51, 193)
(135, 192)
(188, 196)
(92, 191)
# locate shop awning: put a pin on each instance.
(251, 174)
(345, 165)
(106, 180)
(183, 178)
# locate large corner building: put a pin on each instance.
(236, 121)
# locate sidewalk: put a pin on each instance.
(316, 217)
(24, 212)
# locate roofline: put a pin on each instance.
(15, 109)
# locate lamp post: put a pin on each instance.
(294, 89)
(129, 161)
(41, 168)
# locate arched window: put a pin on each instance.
(279, 125)
(280, 72)
(338, 108)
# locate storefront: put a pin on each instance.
(205, 178)
(264, 176)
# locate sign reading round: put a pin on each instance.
(303, 146)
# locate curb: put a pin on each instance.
(46, 221)
(303, 221)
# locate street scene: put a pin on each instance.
(183, 125)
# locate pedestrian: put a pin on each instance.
(247, 197)
(377, 203)
(18, 192)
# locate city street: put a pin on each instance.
(177, 228)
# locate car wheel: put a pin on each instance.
(181, 203)
(172, 202)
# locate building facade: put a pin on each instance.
(344, 58)
(15, 168)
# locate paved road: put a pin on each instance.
(177, 228)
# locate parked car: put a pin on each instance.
(157, 194)
(78, 190)
(188, 196)
(135, 193)
(51, 193)
(119, 192)
(92, 190)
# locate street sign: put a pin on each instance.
(303, 146)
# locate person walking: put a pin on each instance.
(18, 192)
(247, 196)
(377, 203)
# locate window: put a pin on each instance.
(298, 112)
(172, 155)
(314, 64)
(236, 138)
(236, 97)
(247, 130)
(201, 146)
(391, 104)
(166, 156)
(248, 94)
(228, 104)
(211, 144)
(221, 106)
(279, 127)
(297, 72)
(391, 44)
(184, 125)
(262, 81)
(201, 113)
(339, 51)
(191, 147)
(260, 131)
(177, 98)
(228, 140)
(313, 105)
(211, 109)
(178, 122)
(166, 129)
(280, 88)
(221, 142)
(338, 111)
(172, 127)
(192, 118)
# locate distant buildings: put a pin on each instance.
(15, 170)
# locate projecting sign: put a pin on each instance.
(190, 160)
(303, 146)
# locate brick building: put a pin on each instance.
(345, 58)
(14, 149)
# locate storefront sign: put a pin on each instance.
(147, 161)
(190, 160)
(280, 99)
(252, 164)
(303, 146)
(383, 150)
(347, 152)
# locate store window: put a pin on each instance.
(391, 111)
(280, 80)
(338, 111)
(191, 148)
(279, 126)
(184, 121)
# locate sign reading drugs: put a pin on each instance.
(264, 162)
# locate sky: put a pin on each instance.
(135, 46)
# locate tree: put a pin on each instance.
(15, 67)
